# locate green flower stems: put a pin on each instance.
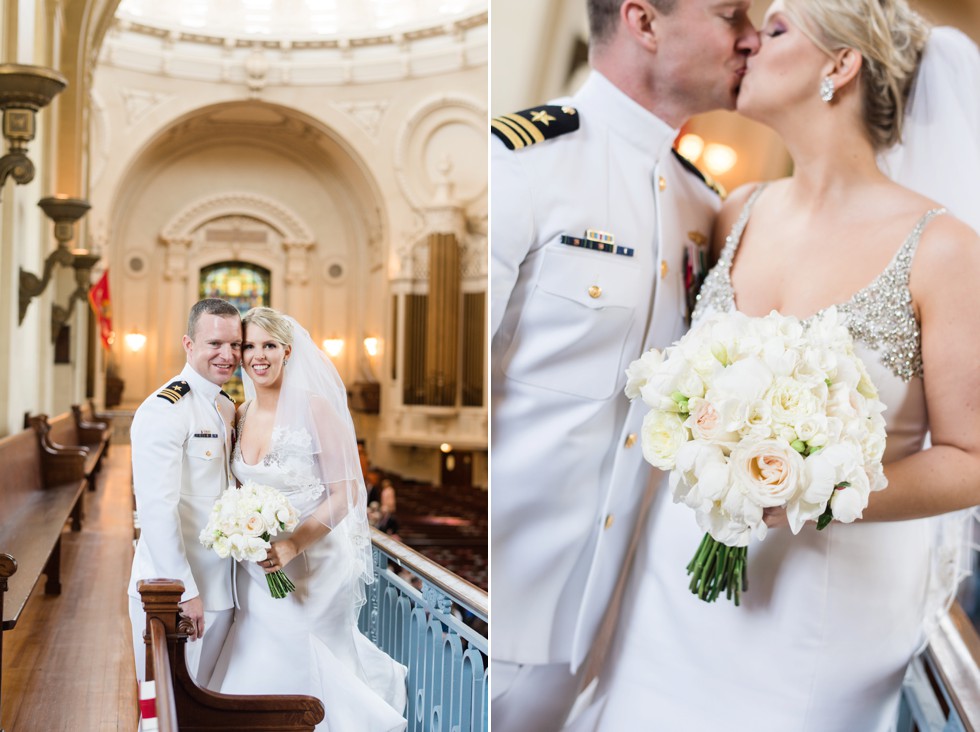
(279, 584)
(718, 568)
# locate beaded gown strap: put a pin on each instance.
(236, 453)
(882, 315)
(717, 293)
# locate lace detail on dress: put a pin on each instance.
(291, 453)
(879, 315)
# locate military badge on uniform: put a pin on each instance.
(695, 267)
(525, 128)
(599, 241)
(174, 391)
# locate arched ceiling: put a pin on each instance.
(294, 19)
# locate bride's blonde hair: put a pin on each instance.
(272, 322)
(890, 37)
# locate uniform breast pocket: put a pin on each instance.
(204, 448)
(575, 324)
(204, 456)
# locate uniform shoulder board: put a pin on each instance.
(225, 395)
(705, 178)
(522, 129)
(174, 391)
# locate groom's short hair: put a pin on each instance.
(209, 306)
(604, 15)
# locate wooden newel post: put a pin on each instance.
(160, 600)
(8, 565)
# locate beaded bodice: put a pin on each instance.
(290, 456)
(880, 315)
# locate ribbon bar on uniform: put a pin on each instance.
(598, 246)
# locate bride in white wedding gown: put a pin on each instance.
(295, 434)
(830, 619)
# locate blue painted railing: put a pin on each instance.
(941, 692)
(414, 612)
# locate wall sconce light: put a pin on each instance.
(691, 146)
(24, 90)
(64, 212)
(82, 261)
(333, 346)
(371, 346)
(135, 341)
(718, 158)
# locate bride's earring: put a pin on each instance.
(827, 89)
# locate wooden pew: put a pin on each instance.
(74, 430)
(181, 703)
(92, 427)
(40, 489)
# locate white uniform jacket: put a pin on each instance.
(180, 467)
(567, 473)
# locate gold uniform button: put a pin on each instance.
(609, 521)
(630, 440)
(207, 453)
(663, 268)
(662, 183)
(595, 291)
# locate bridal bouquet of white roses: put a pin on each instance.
(755, 413)
(241, 523)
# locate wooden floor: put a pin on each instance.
(68, 665)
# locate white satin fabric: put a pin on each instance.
(823, 636)
(307, 643)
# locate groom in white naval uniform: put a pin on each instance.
(181, 437)
(597, 242)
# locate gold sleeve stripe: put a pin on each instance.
(515, 140)
(528, 127)
(526, 139)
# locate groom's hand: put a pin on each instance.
(193, 610)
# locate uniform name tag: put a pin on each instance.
(206, 434)
(596, 245)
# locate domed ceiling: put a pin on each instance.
(295, 19)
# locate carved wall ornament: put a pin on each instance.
(367, 115)
(441, 127)
(138, 103)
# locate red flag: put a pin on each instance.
(98, 297)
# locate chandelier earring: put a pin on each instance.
(827, 89)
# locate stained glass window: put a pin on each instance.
(243, 284)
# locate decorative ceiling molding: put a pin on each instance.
(289, 224)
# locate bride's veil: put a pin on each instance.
(317, 451)
(939, 157)
(939, 154)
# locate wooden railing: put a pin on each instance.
(192, 708)
(166, 702)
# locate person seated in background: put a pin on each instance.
(372, 481)
(387, 521)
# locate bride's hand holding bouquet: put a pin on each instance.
(755, 414)
(241, 524)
